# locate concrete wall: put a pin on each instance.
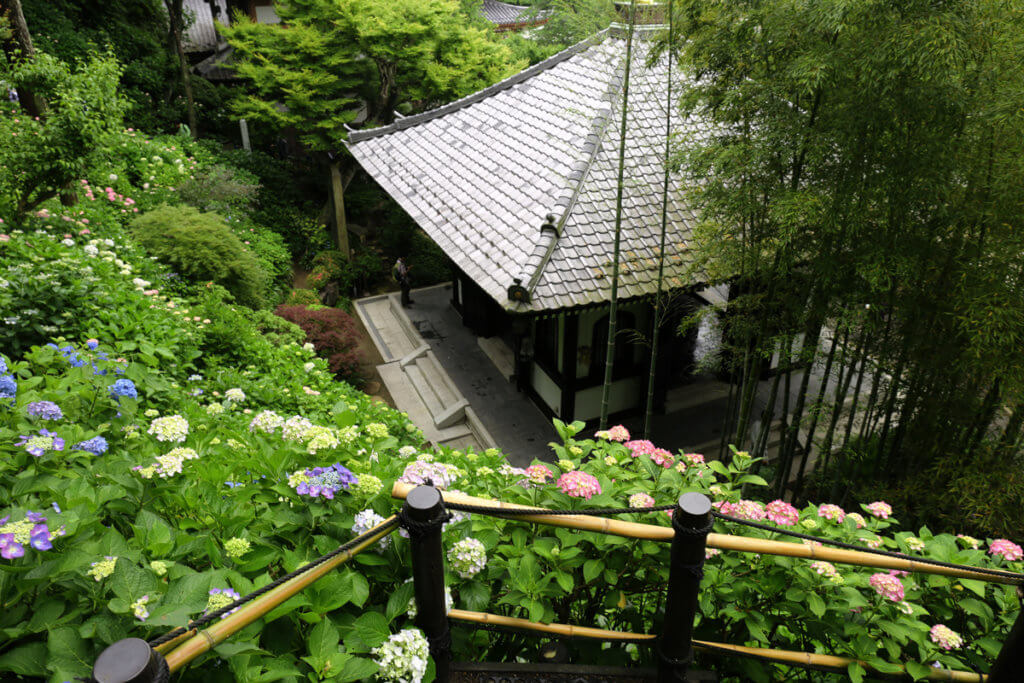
(546, 388)
(625, 394)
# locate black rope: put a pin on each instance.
(418, 528)
(871, 551)
(216, 614)
(500, 628)
(516, 512)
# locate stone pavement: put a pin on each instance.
(518, 426)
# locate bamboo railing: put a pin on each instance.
(196, 644)
(807, 659)
(651, 532)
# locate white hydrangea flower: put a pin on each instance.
(235, 395)
(366, 520)
(266, 421)
(406, 451)
(170, 428)
(321, 438)
(467, 557)
(403, 658)
(296, 428)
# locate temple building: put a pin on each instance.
(518, 183)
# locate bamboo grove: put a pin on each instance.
(861, 195)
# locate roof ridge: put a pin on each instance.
(515, 79)
(565, 201)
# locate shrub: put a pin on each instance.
(302, 297)
(333, 334)
(202, 248)
(364, 268)
(276, 329)
(219, 188)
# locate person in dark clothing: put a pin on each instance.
(400, 273)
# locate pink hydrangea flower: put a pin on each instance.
(781, 512)
(832, 512)
(539, 474)
(579, 484)
(662, 457)
(616, 433)
(725, 507)
(750, 509)
(879, 509)
(858, 519)
(1008, 549)
(888, 586)
(945, 637)
(641, 500)
(694, 458)
(639, 447)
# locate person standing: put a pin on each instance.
(400, 273)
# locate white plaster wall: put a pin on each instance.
(546, 389)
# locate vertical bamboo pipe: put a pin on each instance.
(613, 311)
(659, 303)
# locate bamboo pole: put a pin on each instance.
(781, 656)
(609, 359)
(745, 544)
(207, 639)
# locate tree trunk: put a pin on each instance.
(21, 46)
(387, 96)
(174, 12)
(338, 200)
(816, 414)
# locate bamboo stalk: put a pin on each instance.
(745, 544)
(567, 630)
(220, 631)
(781, 656)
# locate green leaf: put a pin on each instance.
(475, 595)
(360, 589)
(978, 587)
(357, 668)
(592, 569)
(816, 604)
(323, 642)
(918, 671)
(399, 601)
(856, 672)
(26, 660)
(372, 628)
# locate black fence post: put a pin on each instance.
(1010, 662)
(131, 660)
(691, 521)
(424, 507)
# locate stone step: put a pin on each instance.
(424, 390)
(500, 354)
(438, 379)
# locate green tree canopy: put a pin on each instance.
(40, 155)
(863, 175)
(316, 69)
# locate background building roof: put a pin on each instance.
(480, 175)
(503, 13)
(201, 35)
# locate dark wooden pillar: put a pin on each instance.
(570, 342)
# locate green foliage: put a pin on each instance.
(863, 179)
(137, 35)
(41, 155)
(302, 297)
(571, 21)
(327, 57)
(358, 272)
(202, 248)
(219, 188)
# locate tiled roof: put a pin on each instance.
(481, 174)
(201, 35)
(502, 13)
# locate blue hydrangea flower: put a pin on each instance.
(47, 410)
(97, 445)
(44, 441)
(8, 387)
(123, 387)
(92, 344)
(3, 365)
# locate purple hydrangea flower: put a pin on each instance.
(41, 443)
(123, 387)
(325, 481)
(97, 445)
(9, 549)
(35, 517)
(47, 410)
(39, 537)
